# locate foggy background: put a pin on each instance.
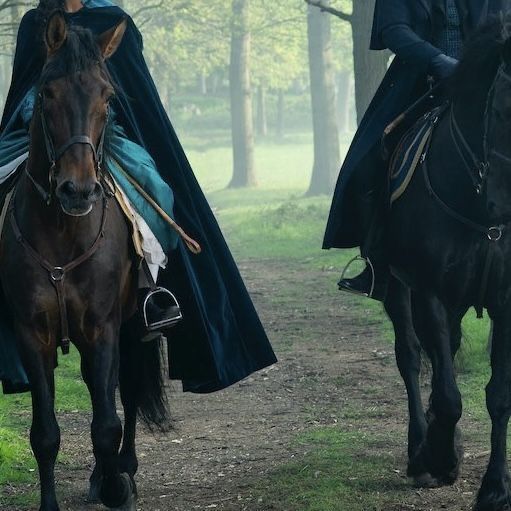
(261, 79)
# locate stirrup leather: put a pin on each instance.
(165, 323)
(373, 276)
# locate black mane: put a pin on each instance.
(482, 56)
(80, 52)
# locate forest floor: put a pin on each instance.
(323, 430)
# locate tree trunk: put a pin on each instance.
(203, 84)
(280, 114)
(344, 97)
(262, 121)
(241, 98)
(323, 97)
(370, 66)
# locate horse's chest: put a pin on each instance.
(89, 289)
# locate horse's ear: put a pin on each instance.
(56, 32)
(110, 40)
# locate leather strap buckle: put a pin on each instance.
(495, 233)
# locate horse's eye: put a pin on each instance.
(108, 93)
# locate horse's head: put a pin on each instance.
(73, 100)
(498, 138)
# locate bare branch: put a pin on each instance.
(330, 10)
(13, 3)
(276, 23)
(148, 8)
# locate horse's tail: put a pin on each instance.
(141, 377)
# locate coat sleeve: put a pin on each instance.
(394, 28)
(408, 46)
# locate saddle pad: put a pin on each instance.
(407, 156)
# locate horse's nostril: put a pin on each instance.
(95, 192)
(68, 188)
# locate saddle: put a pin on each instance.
(410, 151)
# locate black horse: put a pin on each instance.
(66, 266)
(450, 249)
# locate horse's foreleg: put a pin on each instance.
(495, 494)
(96, 476)
(128, 390)
(39, 362)
(408, 357)
(102, 362)
(439, 455)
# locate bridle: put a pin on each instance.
(55, 154)
(478, 169)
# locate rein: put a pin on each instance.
(54, 155)
(57, 274)
(482, 167)
(469, 158)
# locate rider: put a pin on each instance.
(427, 37)
(220, 339)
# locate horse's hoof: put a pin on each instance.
(117, 495)
(494, 495)
(94, 495)
(130, 505)
(425, 480)
(131, 502)
(430, 467)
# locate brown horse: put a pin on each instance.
(66, 266)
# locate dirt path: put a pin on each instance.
(332, 359)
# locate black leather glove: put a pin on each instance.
(442, 66)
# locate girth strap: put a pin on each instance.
(57, 274)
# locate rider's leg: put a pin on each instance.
(370, 203)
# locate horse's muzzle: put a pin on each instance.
(78, 200)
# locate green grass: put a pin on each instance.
(341, 468)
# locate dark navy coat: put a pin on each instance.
(220, 340)
(404, 83)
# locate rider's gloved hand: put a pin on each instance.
(442, 66)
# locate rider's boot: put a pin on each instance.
(159, 310)
(372, 282)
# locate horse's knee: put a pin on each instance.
(45, 439)
(498, 402)
(446, 405)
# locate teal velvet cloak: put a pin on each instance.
(221, 339)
